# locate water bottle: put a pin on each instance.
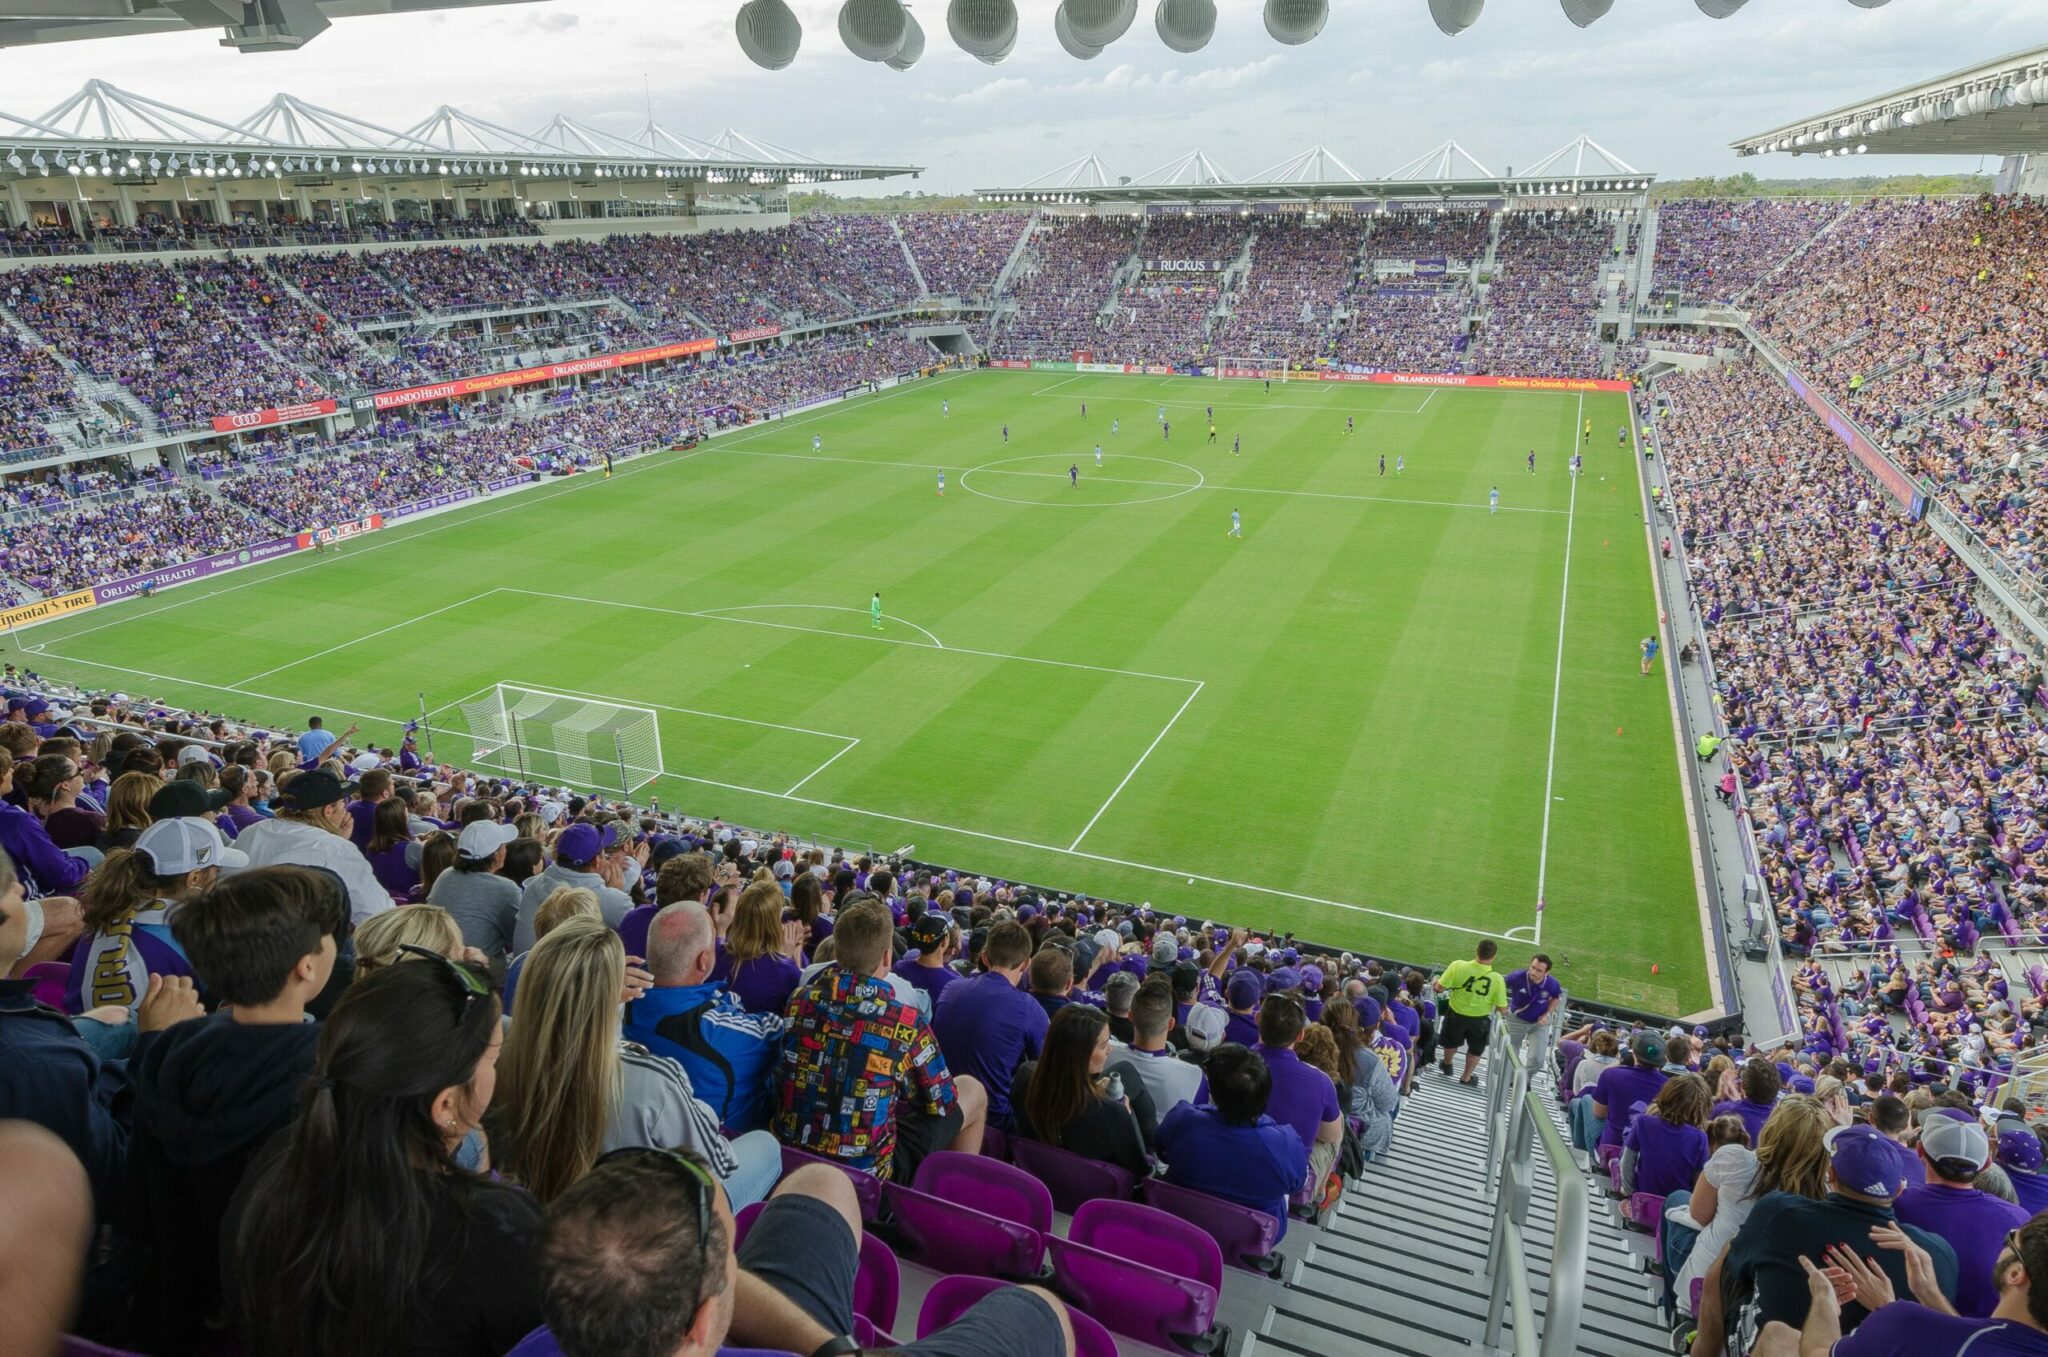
(1116, 1087)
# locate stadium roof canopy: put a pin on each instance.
(1996, 108)
(1580, 171)
(250, 25)
(105, 132)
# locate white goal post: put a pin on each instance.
(1266, 368)
(560, 737)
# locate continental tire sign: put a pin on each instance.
(42, 611)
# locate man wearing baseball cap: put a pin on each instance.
(484, 905)
(311, 830)
(2019, 1154)
(936, 940)
(576, 864)
(1865, 1177)
(1955, 1148)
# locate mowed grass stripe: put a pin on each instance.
(1378, 673)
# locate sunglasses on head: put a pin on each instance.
(473, 985)
(680, 1165)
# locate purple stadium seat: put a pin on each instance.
(1134, 1300)
(52, 979)
(868, 1336)
(989, 1186)
(878, 1285)
(866, 1186)
(1643, 1211)
(994, 1143)
(1247, 1237)
(744, 1221)
(952, 1297)
(1148, 1235)
(1072, 1178)
(79, 1347)
(949, 1237)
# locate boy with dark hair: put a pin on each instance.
(1230, 1148)
(209, 1093)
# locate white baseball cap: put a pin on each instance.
(187, 844)
(481, 838)
(365, 762)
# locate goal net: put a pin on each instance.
(558, 737)
(1267, 369)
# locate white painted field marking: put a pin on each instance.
(371, 636)
(1556, 696)
(1134, 768)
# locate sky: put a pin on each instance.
(1657, 83)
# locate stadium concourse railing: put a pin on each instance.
(1518, 1128)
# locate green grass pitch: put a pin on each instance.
(1340, 724)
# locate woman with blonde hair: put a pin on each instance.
(570, 1088)
(429, 926)
(128, 809)
(563, 904)
(1790, 1157)
(763, 958)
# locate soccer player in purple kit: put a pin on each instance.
(1074, 474)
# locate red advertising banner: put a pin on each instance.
(752, 333)
(340, 532)
(497, 381)
(1566, 384)
(1010, 362)
(259, 419)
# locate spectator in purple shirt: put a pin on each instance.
(1534, 999)
(929, 968)
(986, 1025)
(1761, 1084)
(1665, 1148)
(1955, 1149)
(372, 787)
(2019, 1154)
(1303, 1096)
(240, 784)
(1243, 994)
(764, 957)
(1602, 1115)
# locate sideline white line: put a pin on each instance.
(1056, 385)
(716, 616)
(1134, 768)
(1328, 407)
(381, 631)
(1432, 396)
(221, 688)
(821, 768)
(1556, 696)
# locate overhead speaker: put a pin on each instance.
(1719, 9)
(1098, 23)
(768, 32)
(1585, 12)
(1186, 25)
(1455, 16)
(913, 45)
(1870, 4)
(873, 29)
(983, 28)
(1063, 29)
(1295, 22)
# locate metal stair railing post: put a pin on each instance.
(1518, 1125)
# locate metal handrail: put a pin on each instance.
(1517, 1124)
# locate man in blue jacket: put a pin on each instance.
(729, 1053)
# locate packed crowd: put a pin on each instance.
(1405, 237)
(1541, 304)
(1163, 314)
(1717, 249)
(35, 392)
(1300, 273)
(1062, 285)
(304, 954)
(961, 254)
(1405, 326)
(153, 233)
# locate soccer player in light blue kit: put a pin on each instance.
(945, 409)
(1400, 463)
(1162, 414)
(1236, 526)
(942, 485)
(1098, 454)
(1493, 501)
(817, 443)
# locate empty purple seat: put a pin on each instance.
(988, 1185)
(949, 1237)
(994, 1143)
(952, 1297)
(1072, 1178)
(1643, 1211)
(878, 1285)
(1148, 1235)
(1249, 1238)
(866, 1186)
(868, 1336)
(744, 1222)
(1135, 1300)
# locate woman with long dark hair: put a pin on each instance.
(1063, 1097)
(807, 901)
(357, 1232)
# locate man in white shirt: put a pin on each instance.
(1169, 1079)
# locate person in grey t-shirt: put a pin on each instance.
(482, 903)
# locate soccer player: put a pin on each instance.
(1383, 464)
(1350, 426)
(1210, 411)
(1400, 463)
(607, 466)
(1006, 433)
(817, 443)
(1532, 461)
(1166, 430)
(1212, 431)
(1236, 444)
(1621, 437)
(1589, 431)
(1236, 525)
(1116, 426)
(942, 485)
(1649, 649)
(1493, 501)
(1074, 475)
(1269, 386)
(1162, 414)
(875, 610)
(1084, 409)
(1098, 454)
(945, 409)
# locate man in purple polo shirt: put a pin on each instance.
(986, 1025)
(937, 941)
(1534, 998)
(1761, 1085)
(638, 1257)
(1603, 1115)
(1242, 994)
(1303, 1096)
(1955, 1149)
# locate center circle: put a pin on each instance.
(1106, 487)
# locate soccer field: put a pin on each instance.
(1385, 718)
